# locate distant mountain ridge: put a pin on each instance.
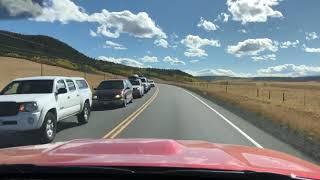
(45, 49)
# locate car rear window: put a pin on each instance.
(143, 80)
(110, 85)
(135, 82)
(82, 84)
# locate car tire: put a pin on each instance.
(48, 129)
(84, 116)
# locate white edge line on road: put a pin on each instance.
(227, 120)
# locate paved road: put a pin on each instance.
(180, 114)
(174, 113)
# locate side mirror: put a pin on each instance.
(62, 91)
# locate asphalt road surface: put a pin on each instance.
(166, 112)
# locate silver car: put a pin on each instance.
(138, 88)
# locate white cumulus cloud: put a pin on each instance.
(289, 70)
(113, 45)
(92, 33)
(252, 47)
(140, 25)
(217, 72)
(195, 53)
(248, 11)
(161, 43)
(110, 24)
(149, 59)
(27, 8)
(194, 61)
(288, 44)
(63, 11)
(268, 57)
(195, 44)
(124, 61)
(310, 50)
(207, 25)
(224, 17)
(285, 70)
(173, 60)
(311, 36)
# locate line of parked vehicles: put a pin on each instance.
(121, 91)
(37, 104)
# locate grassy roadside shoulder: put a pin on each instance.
(287, 124)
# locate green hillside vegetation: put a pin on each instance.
(47, 50)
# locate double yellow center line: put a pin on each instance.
(125, 123)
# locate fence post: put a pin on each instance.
(304, 98)
(257, 92)
(41, 69)
(283, 97)
(227, 83)
(269, 94)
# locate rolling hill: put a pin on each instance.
(48, 50)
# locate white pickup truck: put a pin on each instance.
(38, 103)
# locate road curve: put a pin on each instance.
(167, 112)
(180, 114)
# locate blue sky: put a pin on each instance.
(221, 37)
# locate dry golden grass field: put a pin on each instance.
(295, 104)
(11, 68)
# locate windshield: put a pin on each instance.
(236, 72)
(28, 87)
(110, 85)
(134, 82)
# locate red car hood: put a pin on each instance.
(159, 153)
